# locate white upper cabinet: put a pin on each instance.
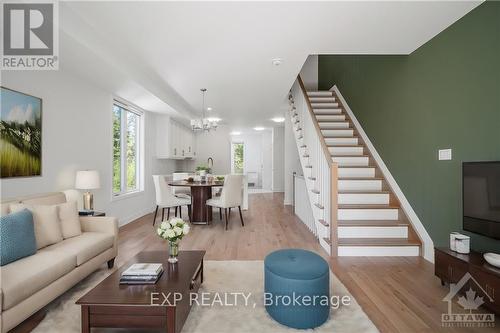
(173, 140)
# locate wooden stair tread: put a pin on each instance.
(323, 222)
(364, 192)
(327, 240)
(371, 223)
(303, 146)
(378, 242)
(311, 178)
(361, 178)
(319, 206)
(367, 206)
(308, 166)
(357, 166)
(315, 191)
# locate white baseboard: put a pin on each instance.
(428, 245)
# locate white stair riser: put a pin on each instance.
(368, 214)
(341, 141)
(362, 160)
(330, 118)
(326, 99)
(334, 125)
(364, 198)
(343, 132)
(373, 232)
(331, 111)
(319, 93)
(346, 150)
(324, 105)
(361, 185)
(378, 251)
(356, 172)
(325, 245)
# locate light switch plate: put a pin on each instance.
(444, 154)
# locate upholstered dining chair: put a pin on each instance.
(166, 199)
(181, 191)
(230, 197)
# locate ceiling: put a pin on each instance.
(159, 54)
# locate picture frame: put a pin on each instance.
(20, 134)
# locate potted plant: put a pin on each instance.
(202, 170)
(173, 231)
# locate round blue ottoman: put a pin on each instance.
(297, 288)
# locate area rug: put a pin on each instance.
(236, 316)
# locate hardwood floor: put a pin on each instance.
(399, 294)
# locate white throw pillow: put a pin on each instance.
(46, 221)
(70, 220)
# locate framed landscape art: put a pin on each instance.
(20, 134)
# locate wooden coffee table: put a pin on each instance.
(110, 304)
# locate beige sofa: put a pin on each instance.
(28, 284)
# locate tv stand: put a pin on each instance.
(451, 266)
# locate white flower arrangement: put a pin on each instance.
(173, 230)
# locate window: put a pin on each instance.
(127, 159)
(237, 157)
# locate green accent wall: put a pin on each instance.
(446, 94)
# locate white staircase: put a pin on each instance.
(356, 211)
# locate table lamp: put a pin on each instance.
(87, 180)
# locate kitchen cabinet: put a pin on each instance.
(173, 139)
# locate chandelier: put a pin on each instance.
(203, 123)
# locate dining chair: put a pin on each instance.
(165, 198)
(231, 196)
(181, 191)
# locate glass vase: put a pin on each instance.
(173, 250)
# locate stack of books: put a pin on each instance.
(142, 274)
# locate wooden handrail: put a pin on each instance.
(326, 151)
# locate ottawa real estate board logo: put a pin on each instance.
(30, 38)
(470, 295)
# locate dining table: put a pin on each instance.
(201, 191)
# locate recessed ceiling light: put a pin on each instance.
(277, 61)
(278, 119)
(258, 128)
(235, 133)
(209, 109)
(213, 119)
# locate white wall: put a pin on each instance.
(76, 135)
(267, 160)
(215, 144)
(309, 73)
(278, 159)
(292, 161)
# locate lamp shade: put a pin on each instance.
(87, 180)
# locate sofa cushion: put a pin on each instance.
(17, 236)
(24, 277)
(85, 247)
(46, 220)
(70, 221)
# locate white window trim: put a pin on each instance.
(130, 107)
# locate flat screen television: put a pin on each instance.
(481, 198)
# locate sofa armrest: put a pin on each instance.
(103, 224)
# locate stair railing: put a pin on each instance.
(323, 172)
